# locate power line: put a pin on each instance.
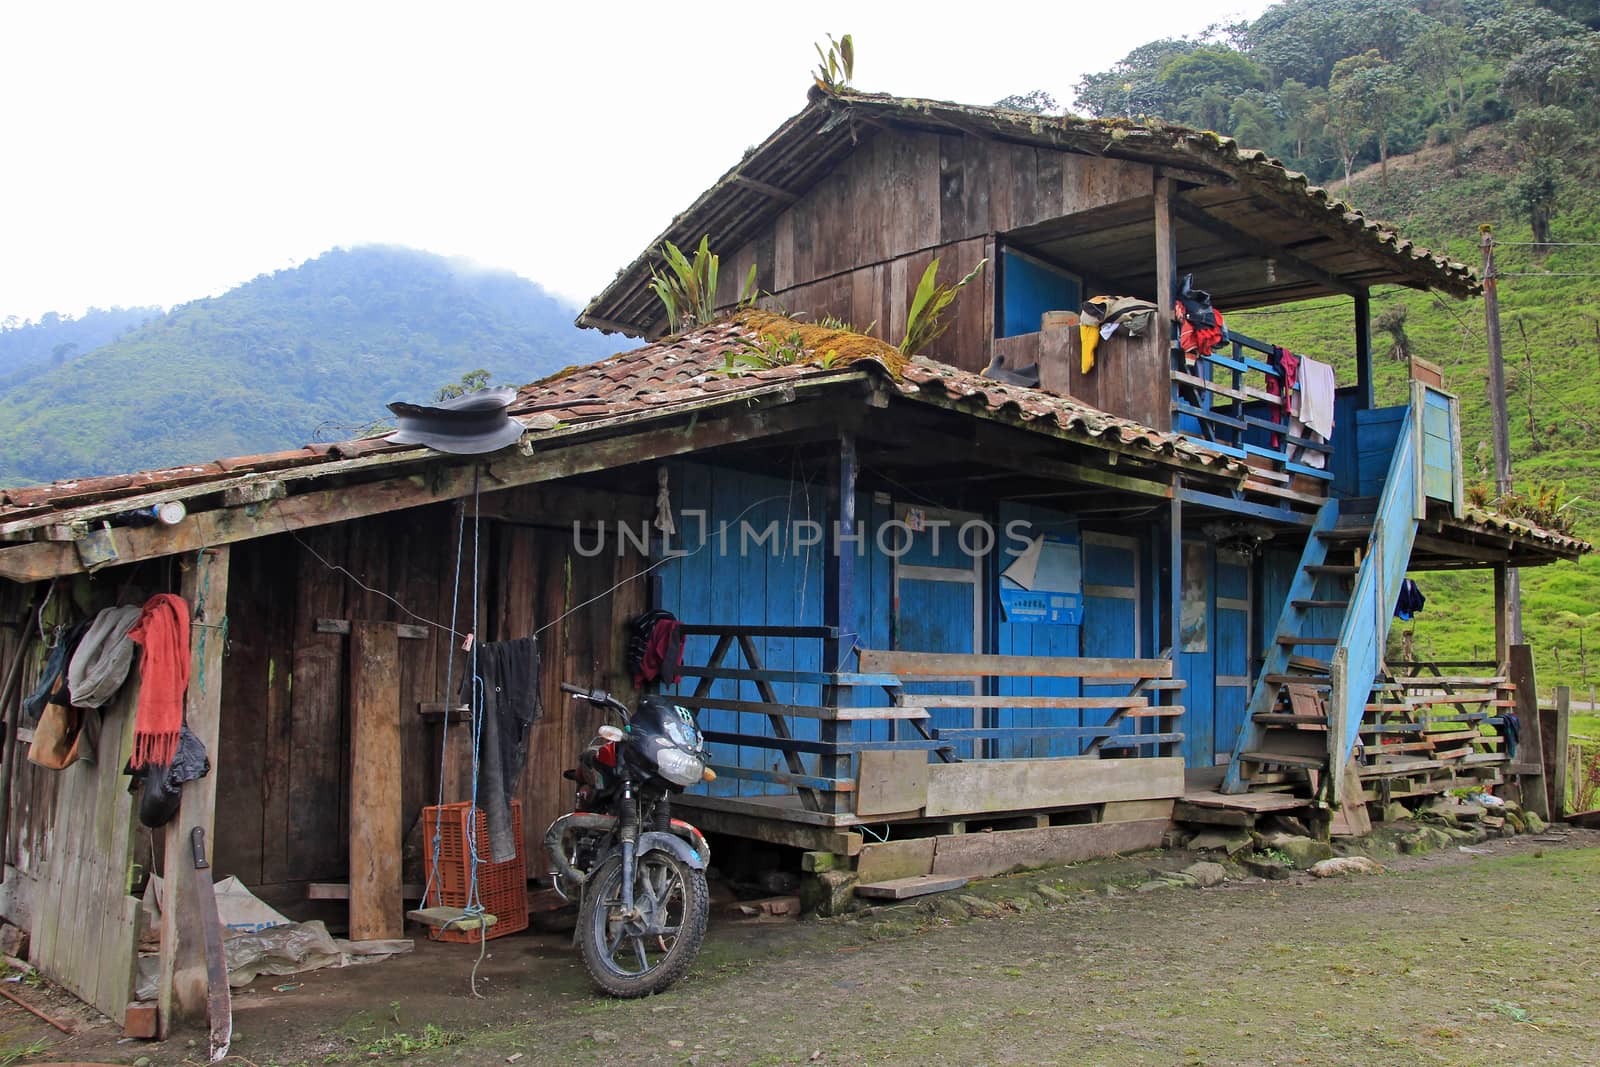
(1547, 274)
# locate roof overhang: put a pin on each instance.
(1261, 233)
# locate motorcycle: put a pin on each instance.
(638, 874)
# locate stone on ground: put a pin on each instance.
(1341, 865)
(1230, 843)
(1206, 874)
(1302, 852)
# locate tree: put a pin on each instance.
(470, 382)
(1132, 86)
(1036, 101)
(1342, 119)
(1438, 56)
(1536, 191)
(1298, 103)
(1376, 89)
(1392, 321)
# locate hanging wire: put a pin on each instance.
(1547, 244)
(1546, 274)
(474, 906)
(449, 705)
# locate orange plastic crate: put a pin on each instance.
(502, 887)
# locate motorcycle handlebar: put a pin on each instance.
(598, 697)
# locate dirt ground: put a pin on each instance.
(1484, 957)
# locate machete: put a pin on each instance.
(219, 1001)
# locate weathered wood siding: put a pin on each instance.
(856, 244)
(285, 748)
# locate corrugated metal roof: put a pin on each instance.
(809, 145)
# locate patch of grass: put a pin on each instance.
(17, 1053)
(430, 1038)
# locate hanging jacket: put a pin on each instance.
(1409, 602)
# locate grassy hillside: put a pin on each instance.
(312, 353)
(1550, 328)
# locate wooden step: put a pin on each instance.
(1423, 681)
(1315, 681)
(1344, 534)
(1288, 759)
(1309, 604)
(1278, 718)
(1308, 663)
(916, 886)
(1292, 641)
(1332, 568)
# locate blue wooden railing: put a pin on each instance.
(1226, 402)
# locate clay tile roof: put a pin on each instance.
(1523, 530)
(702, 365)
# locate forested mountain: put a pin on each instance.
(27, 348)
(1448, 114)
(1330, 85)
(314, 352)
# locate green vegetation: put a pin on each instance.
(687, 288)
(1474, 111)
(924, 318)
(838, 64)
(312, 353)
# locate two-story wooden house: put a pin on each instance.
(918, 600)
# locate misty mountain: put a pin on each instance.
(309, 353)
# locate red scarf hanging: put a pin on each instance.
(163, 632)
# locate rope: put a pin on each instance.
(449, 702)
(474, 907)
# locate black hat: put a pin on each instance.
(464, 425)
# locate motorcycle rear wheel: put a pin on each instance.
(636, 958)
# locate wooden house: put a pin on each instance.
(1140, 624)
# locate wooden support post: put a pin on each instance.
(1554, 727)
(181, 987)
(839, 611)
(1502, 636)
(1530, 749)
(1166, 254)
(377, 908)
(1175, 570)
(1363, 325)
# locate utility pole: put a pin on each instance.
(1497, 404)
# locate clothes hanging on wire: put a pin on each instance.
(506, 682)
(655, 649)
(1316, 396)
(1409, 602)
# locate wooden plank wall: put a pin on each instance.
(856, 244)
(285, 750)
(85, 924)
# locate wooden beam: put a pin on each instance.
(1203, 220)
(980, 786)
(181, 985)
(838, 610)
(377, 905)
(766, 188)
(959, 664)
(1530, 747)
(1363, 327)
(1555, 724)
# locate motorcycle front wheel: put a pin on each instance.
(641, 954)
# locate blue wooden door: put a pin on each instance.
(937, 606)
(1232, 650)
(1111, 615)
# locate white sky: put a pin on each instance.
(154, 152)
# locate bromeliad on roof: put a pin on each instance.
(1342, 247)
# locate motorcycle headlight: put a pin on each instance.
(679, 767)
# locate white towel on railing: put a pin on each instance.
(1316, 396)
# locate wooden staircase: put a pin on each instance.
(1305, 712)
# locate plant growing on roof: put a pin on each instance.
(688, 288)
(924, 322)
(838, 64)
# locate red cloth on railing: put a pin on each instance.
(1289, 366)
(163, 632)
(1197, 341)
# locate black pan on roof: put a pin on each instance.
(466, 425)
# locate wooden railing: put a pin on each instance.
(875, 709)
(1230, 398)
